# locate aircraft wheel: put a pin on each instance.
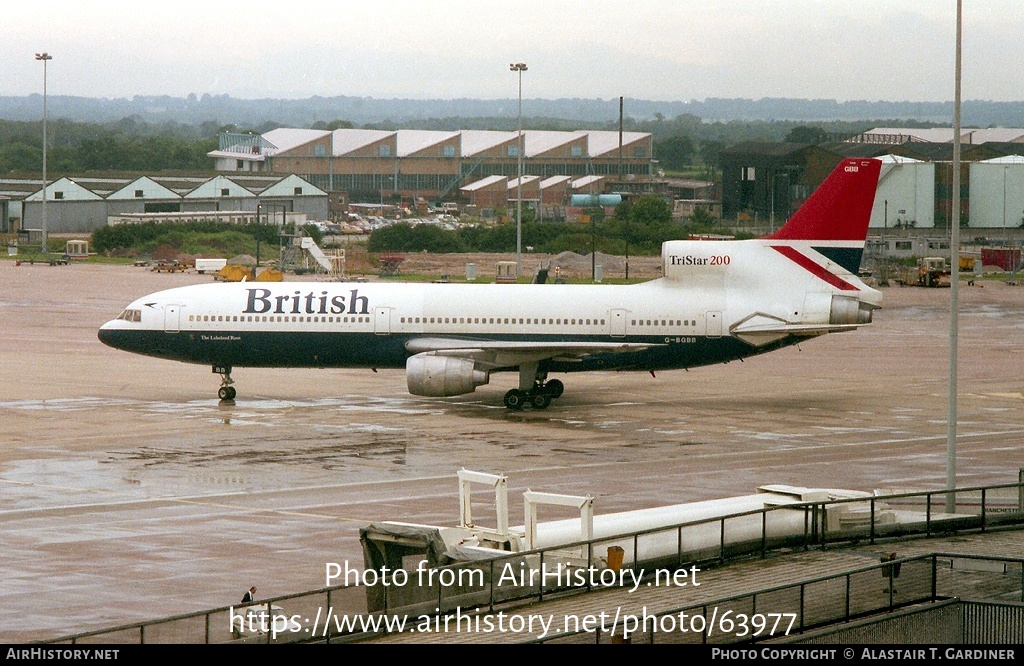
(226, 393)
(515, 399)
(540, 400)
(554, 388)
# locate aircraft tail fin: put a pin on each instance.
(840, 209)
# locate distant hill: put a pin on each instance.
(223, 109)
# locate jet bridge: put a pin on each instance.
(642, 539)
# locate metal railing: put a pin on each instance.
(486, 584)
(798, 607)
(829, 600)
(949, 622)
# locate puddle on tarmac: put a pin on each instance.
(775, 437)
(838, 430)
(65, 404)
(326, 453)
(203, 465)
(48, 483)
(243, 408)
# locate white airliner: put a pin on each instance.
(718, 301)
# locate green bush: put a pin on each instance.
(189, 237)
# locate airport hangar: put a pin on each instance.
(78, 205)
(367, 164)
(770, 180)
(433, 164)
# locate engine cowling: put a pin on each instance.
(848, 310)
(442, 376)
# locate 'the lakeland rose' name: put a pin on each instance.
(262, 301)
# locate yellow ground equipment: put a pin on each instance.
(930, 272)
(270, 275)
(232, 273)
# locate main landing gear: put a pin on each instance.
(538, 392)
(226, 392)
(539, 397)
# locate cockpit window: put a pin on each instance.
(131, 315)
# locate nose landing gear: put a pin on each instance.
(226, 392)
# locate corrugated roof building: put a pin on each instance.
(82, 204)
(489, 192)
(372, 163)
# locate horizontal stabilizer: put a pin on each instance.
(761, 329)
(800, 329)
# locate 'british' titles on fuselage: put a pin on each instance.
(261, 301)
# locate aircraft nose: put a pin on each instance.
(108, 335)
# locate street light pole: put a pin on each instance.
(954, 250)
(44, 57)
(519, 67)
(621, 98)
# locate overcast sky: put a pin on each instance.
(647, 49)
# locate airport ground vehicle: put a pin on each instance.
(212, 265)
(929, 272)
(168, 266)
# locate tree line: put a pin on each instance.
(124, 146)
(146, 236)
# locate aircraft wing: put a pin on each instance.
(505, 353)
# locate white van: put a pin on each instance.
(203, 265)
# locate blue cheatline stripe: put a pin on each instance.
(296, 349)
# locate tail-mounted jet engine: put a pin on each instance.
(849, 310)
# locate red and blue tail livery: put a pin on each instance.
(837, 215)
(717, 301)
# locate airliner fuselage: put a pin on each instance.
(717, 301)
(330, 324)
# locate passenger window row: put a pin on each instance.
(278, 318)
(662, 322)
(499, 320)
(135, 315)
